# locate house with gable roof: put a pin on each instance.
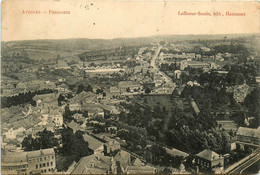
(207, 159)
(94, 144)
(75, 127)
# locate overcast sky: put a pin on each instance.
(117, 19)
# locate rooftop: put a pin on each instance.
(93, 164)
(93, 143)
(127, 83)
(46, 97)
(249, 132)
(84, 96)
(176, 152)
(29, 121)
(74, 126)
(208, 155)
(42, 152)
(14, 157)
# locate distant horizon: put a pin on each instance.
(117, 38)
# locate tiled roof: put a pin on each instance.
(14, 157)
(93, 143)
(55, 112)
(32, 154)
(74, 126)
(128, 83)
(93, 164)
(176, 152)
(250, 132)
(46, 97)
(29, 121)
(140, 170)
(49, 151)
(84, 97)
(44, 152)
(137, 162)
(123, 157)
(208, 155)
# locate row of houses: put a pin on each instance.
(31, 162)
(179, 56)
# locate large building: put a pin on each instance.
(32, 162)
(248, 135)
(41, 161)
(194, 64)
(14, 163)
(207, 160)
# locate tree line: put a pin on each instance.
(23, 98)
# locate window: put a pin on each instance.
(42, 171)
(40, 165)
(36, 166)
(40, 159)
(52, 157)
(51, 163)
(43, 164)
(44, 158)
(45, 171)
(48, 164)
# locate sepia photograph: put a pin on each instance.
(130, 87)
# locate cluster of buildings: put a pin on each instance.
(20, 122)
(120, 163)
(107, 156)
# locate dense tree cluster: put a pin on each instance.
(73, 148)
(87, 88)
(175, 128)
(209, 97)
(43, 140)
(252, 102)
(22, 98)
(73, 145)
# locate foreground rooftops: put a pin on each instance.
(38, 153)
(93, 164)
